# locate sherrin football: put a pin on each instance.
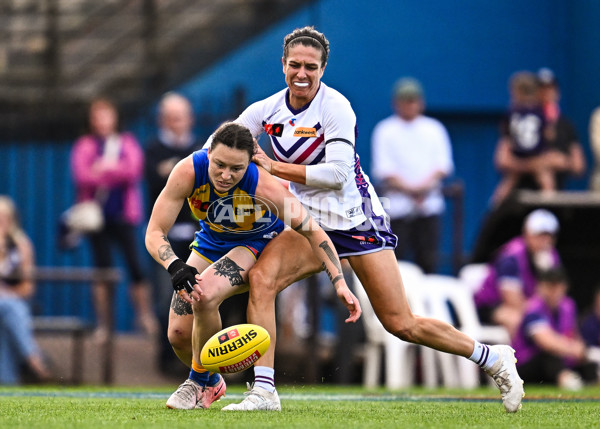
(235, 349)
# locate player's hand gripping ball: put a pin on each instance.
(235, 349)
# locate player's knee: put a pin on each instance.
(262, 283)
(402, 329)
(209, 300)
(180, 339)
(405, 334)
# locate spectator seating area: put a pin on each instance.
(447, 298)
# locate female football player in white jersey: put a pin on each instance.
(312, 130)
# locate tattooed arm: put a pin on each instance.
(291, 211)
(165, 211)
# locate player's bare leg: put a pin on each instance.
(268, 277)
(179, 331)
(380, 276)
(226, 277)
(181, 318)
(271, 274)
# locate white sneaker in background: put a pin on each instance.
(570, 380)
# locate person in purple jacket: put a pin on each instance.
(108, 166)
(590, 326)
(512, 275)
(548, 346)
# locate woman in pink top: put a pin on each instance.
(108, 166)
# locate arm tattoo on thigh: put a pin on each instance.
(180, 307)
(228, 268)
(329, 252)
(165, 251)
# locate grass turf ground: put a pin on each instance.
(307, 406)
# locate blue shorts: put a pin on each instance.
(212, 250)
(365, 238)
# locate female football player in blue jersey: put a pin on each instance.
(312, 130)
(240, 208)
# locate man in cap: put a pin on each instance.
(548, 345)
(411, 156)
(512, 276)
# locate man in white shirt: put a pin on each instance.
(412, 154)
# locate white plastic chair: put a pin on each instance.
(473, 275)
(399, 355)
(444, 289)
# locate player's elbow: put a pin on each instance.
(337, 185)
(340, 175)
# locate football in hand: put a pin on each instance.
(235, 349)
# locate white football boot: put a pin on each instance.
(186, 396)
(256, 398)
(504, 372)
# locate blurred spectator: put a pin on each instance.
(590, 326)
(595, 144)
(108, 166)
(173, 142)
(565, 152)
(412, 154)
(513, 272)
(563, 157)
(547, 345)
(17, 343)
(522, 148)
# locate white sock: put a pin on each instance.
(264, 377)
(483, 355)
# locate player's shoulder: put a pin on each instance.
(200, 155)
(270, 101)
(334, 102)
(331, 95)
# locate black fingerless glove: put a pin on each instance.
(182, 276)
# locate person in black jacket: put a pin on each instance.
(173, 142)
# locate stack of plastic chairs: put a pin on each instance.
(444, 290)
(399, 356)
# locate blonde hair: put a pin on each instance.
(8, 208)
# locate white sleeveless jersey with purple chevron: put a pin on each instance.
(300, 137)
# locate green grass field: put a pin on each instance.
(303, 407)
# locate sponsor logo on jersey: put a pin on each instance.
(272, 114)
(239, 213)
(354, 211)
(293, 122)
(305, 132)
(233, 346)
(274, 129)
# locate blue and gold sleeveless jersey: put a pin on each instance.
(232, 216)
